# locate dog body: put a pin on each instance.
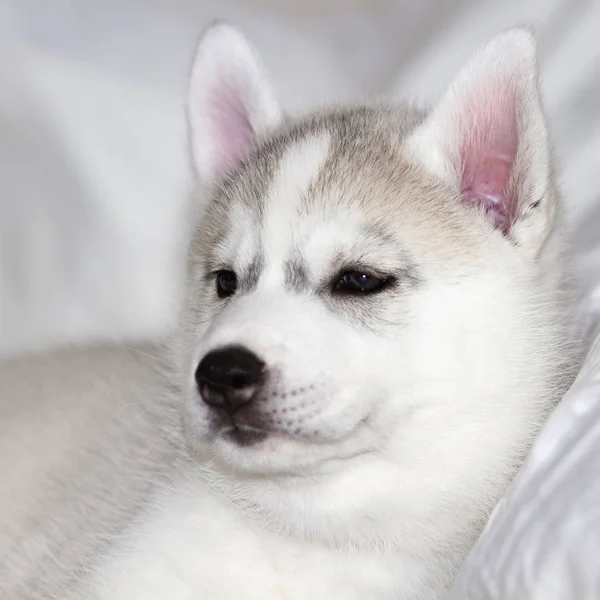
(375, 328)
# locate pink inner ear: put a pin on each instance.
(489, 134)
(232, 132)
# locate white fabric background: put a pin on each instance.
(543, 540)
(93, 178)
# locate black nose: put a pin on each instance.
(228, 378)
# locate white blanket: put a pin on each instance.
(543, 540)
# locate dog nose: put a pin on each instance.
(228, 378)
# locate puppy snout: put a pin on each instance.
(228, 378)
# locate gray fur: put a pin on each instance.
(296, 274)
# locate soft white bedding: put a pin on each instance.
(93, 178)
(543, 540)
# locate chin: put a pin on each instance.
(260, 452)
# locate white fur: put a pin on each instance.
(298, 169)
(395, 423)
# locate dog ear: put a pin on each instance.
(488, 137)
(231, 105)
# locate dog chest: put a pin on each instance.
(193, 547)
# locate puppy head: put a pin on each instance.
(370, 280)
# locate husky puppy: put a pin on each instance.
(375, 328)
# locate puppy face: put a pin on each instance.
(365, 280)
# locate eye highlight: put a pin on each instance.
(360, 283)
(226, 282)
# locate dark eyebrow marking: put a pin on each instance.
(250, 275)
(296, 274)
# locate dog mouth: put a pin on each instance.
(244, 435)
(245, 426)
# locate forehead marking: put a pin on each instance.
(296, 273)
(299, 167)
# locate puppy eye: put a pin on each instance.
(226, 283)
(359, 283)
